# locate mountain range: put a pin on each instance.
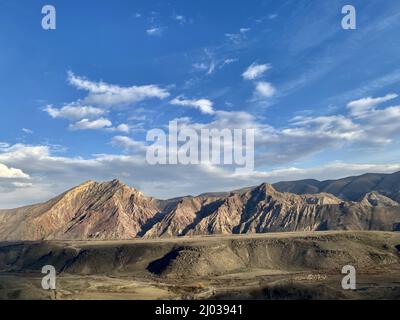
(114, 211)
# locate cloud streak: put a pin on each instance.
(255, 71)
(72, 112)
(86, 124)
(106, 95)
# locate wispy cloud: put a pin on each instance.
(228, 62)
(27, 131)
(74, 112)
(108, 95)
(208, 62)
(244, 30)
(155, 31)
(239, 37)
(204, 105)
(361, 106)
(99, 124)
(86, 124)
(255, 71)
(123, 128)
(181, 19)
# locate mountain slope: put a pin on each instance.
(112, 210)
(92, 210)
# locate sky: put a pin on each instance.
(77, 102)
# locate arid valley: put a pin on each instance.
(272, 266)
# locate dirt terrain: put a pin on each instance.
(263, 266)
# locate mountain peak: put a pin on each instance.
(267, 188)
(115, 183)
(111, 184)
(95, 192)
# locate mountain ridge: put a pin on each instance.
(112, 210)
(351, 188)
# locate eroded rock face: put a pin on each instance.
(377, 200)
(112, 211)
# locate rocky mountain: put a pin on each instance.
(92, 210)
(112, 210)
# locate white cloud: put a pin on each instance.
(201, 66)
(128, 143)
(72, 112)
(238, 38)
(181, 19)
(86, 124)
(85, 116)
(264, 89)
(87, 113)
(227, 62)
(155, 31)
(361, 106)
(27, 131)
(11, 173)
(208, 64)
(123, 127)
(204, 105)
(331, 128)
(255, 71)
(107, 95)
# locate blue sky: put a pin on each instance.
(323, 99)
